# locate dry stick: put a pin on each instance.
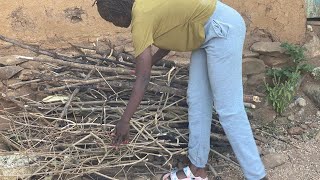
(157, 142)
(75, 92)
(125, 56)
(105, 176)
(278, 138)
(84, 82)
(86, 66)
(108, 60)
(24, 83)
(20, 104)
(151, 87)
(215, 174)
(36, 50)
(28, 82)
(65, 109)
(110, 52)
(225, 158)
(249, 105)
(93, 109)
(9, 143)
(54, 158)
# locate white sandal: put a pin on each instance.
(187, 172)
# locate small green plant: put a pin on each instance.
(280, 94)
(285, 80)
(295, 52)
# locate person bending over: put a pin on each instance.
(215, 34)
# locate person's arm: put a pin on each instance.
(161, 53)
(143, 73)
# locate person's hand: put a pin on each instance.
(121, 133)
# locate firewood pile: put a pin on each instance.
(68, 132)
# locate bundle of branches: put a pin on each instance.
(69, 132)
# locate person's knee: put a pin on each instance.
(199, 98)
(231, 112)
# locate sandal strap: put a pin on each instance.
(187, 172)
(173, 175)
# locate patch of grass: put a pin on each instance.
(284, 80)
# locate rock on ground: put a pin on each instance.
(274, 160)
(264, 115)
(11, 60)
(312, 90)
(8, 71)
(250, 54)
(301, 102)
(295, 131)
(256, 79)
(268, 48)
(252, 66)
(313, 46)
(274, 61)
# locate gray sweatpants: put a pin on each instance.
(216, 77)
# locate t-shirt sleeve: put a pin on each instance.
(142, 36)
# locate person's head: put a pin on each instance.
(116, 11)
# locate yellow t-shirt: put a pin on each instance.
(176, 25)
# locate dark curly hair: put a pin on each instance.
(111, 10)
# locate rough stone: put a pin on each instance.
(264, 115)
(274, 61)
(312, 90)
(256, 36)
(253, 66)
(244, 79)
(256, 79)
(129, 49)
(304, 126)
(8, 71)
(249, 54)
(313, 46)
(309, 28)
(32, 65)
(318, 114)
(314, 125)
(291, 117)
(291, 105)
(11, 60)
(317, 138)
(13, 81)
(27, 74)
(119, 49)
(301, 102)
(295, 131)
(268, 48)
(301, 112)
(274, 160)
(282, 120)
